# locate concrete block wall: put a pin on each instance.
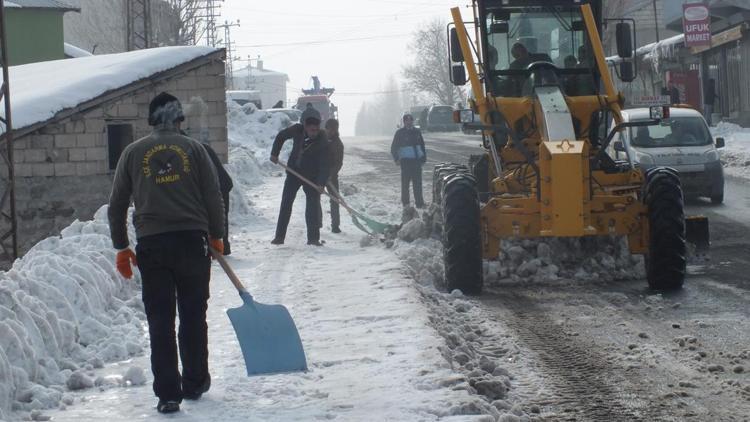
(62, 169)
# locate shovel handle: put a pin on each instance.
(227, 269)
(336, 197)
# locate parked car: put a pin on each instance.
(440, 119)
(683, 142)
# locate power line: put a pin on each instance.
(330, 41)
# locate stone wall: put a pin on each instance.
(62, 169)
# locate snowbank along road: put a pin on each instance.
(567, 330)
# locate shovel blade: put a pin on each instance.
(697, 233)
(268, 337)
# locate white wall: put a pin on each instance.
(272, 86)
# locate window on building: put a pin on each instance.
(118, 137)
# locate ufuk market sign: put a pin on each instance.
(696, 24)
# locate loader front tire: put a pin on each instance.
(462, 241)
(666, 258)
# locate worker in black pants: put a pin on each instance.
(179, 212)
(408, 151)
(309, 157)
(336, 149)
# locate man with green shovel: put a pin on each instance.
(310, 158)
(179, 212)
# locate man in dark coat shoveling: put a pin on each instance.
(310, 158)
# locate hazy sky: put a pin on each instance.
(352, 45)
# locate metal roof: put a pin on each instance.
(45, 4)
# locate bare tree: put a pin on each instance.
(190, 21)
(429, 72)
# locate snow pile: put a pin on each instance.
(736, 154)
(251, 135)
(530, 260)
(581, 259)
(39, 92)
(64, 310)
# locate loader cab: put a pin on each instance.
(532, 43)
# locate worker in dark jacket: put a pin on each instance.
(709, 99)
(225, 185)
(309, 157)
(178, 214)
(336, 149)
(409, 152)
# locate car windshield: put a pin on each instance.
(672, 132)
(519, 37)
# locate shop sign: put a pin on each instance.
(696, 24)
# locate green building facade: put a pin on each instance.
(34, 31)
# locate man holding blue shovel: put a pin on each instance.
(179, 213)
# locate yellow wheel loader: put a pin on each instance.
(545, 103)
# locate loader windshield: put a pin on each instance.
(518, 37)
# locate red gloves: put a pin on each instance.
(217, 245)
(124, 259)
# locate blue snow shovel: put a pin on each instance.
(268, 337)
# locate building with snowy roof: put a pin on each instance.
(270, 83)
(35, 30)
(72, 118)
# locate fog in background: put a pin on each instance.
(356, 46)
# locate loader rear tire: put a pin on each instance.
(480, 168)
(462, 241)
(665, 261)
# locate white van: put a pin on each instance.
(682, 141)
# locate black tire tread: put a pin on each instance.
(462, 243)
(666, 258)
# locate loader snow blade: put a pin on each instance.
(696, 232)
(268, 337)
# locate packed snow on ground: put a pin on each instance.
(477, 346)
(736, 154)
(39, 92)
(64, 311)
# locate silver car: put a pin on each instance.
(683, 142)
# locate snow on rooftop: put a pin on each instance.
(38, 91)
(75, 52)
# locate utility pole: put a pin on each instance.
(656, 21)
(229, 66)
(139, 24)
(8, 219)
(208, 12)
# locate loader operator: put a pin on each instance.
(310, 158)
(408, 151)
(178, 213)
